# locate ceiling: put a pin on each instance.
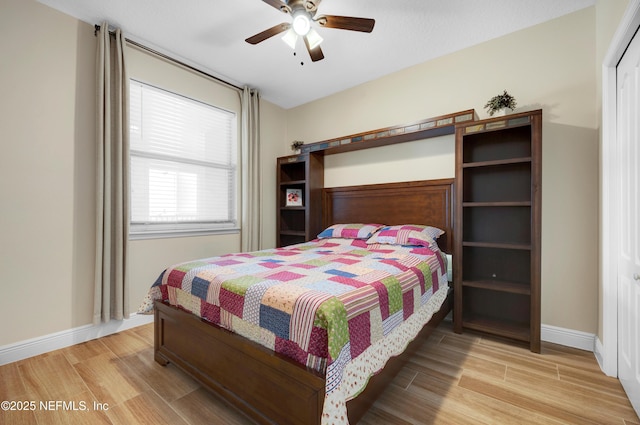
(210, 34)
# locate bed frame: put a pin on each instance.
(270, 388)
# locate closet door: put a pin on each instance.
(628, 134)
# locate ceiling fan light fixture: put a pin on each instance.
(314, 39)
(301, 22)
(291, 38)
(303, 16)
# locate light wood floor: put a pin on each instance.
(455, 379)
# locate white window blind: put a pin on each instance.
(183, 163)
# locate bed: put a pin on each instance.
(282, 374)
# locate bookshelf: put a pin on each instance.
(498, 194)
(303, 173)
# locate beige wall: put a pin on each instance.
(47, 183)
(46, 167)
(549, 66)
(272, 135)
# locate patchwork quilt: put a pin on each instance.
(323, 303)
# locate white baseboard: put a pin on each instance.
(598, 350)
(35, 346)
(610, 368)
(568, 337)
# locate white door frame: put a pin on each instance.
(607, 350)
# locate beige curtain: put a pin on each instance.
(112, 191)
(251, 182)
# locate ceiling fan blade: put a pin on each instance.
(262, 36)
(316, 53)
(346, 23)
(278, 5)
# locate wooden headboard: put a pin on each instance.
(428, 202)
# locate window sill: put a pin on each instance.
(165, 234)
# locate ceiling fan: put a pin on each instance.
(303, 14)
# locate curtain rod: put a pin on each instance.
(174, 60)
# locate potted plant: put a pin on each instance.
(296, 145)
(499, 103)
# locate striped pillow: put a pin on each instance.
(350, 231)
(407, 234)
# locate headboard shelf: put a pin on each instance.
(427, 128)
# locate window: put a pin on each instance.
(183, 164)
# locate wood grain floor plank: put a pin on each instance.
(11, 385)
(442, 369)
(408, 406)
(144, 332)
(145, 408)
(201, 407)
(17, 417)
(110, 380)
(583, 398)
(550, 352)
(405, 377)
(168, 381)
(84, 351)
(126, 342)
(448, 396)
(523, 360)
(462, 361)
(50, 377)
(539, 401)
(594, 380)
(376, 416)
